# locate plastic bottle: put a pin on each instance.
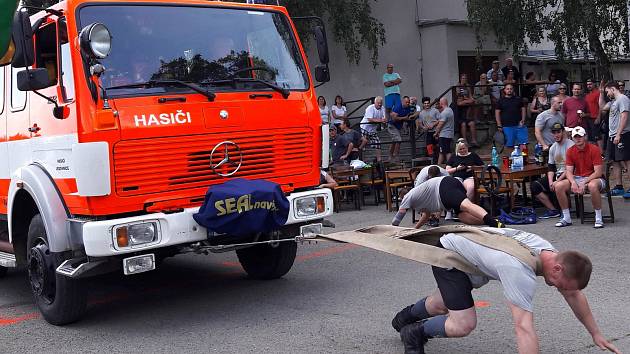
(538, 154)
(517, 159)
(525, 155)
(495, 157)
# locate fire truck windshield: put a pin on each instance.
(196, 44)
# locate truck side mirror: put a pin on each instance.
(322, 73)
(24, 55)
(322, 44)
(33, 79)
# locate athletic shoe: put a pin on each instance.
(627, 194)
(412, 336)
(617, 192)
(563, 223)
(551, 214)
(449, 215)
(403, 318)
(598, 224)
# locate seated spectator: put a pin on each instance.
(529, 89)
(495, 70)
(464, 110)
(400, 113)
(540, 102)
(354, 140)
(374, 115)
(554, 85)
(544, 188)
(429, 118)
(546, 120)
(460, 167)
(497, 88)
(337, 148)
(584, 171)
(481, 95)
(338, 111)
(510, 67)
(324, 112)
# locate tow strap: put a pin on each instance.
(420, 245)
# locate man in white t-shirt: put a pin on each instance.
(374, 115)
(450, 310)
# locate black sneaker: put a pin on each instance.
(413, 338)
(403, 318)
(433, 222)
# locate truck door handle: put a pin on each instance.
(34, 128)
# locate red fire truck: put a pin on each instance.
(116, 118)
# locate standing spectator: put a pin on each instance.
(495, 69)
(481, 94)
(497, 87)
(618, 148)
(445, 130)
(399, 114)
(338, 111)
(510, 118)
(584, 171)
(415, 112)
(509, 66)
(554, 85)
(391, 81)
(374, 115)
(592, 100)
(510, 78)
(545, 123)
(324, 112)
(622, 87)
(429, 118)
(464, 102)
(353, 138)
(540, 102)
(529, 89)
(562, 92)
(460, 167)
(544, 188)
(575, 109)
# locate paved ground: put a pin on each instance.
(336, 299)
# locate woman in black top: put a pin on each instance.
(460, 166)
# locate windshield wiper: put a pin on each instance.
(161, 83)
(283, 91)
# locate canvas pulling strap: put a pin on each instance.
(419, 245)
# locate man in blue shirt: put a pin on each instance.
(391, 81)
(400, 113)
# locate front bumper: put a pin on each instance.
(98, 237)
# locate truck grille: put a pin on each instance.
(174, 163)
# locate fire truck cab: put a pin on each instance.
(116, 118)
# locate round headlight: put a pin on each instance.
(96, 40)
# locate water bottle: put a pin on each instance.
(517, 159)
(495, 157)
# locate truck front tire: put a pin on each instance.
(268, 261)
(61, 300)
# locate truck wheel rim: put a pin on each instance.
(40, 275)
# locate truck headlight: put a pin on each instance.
(309, 206)
(136, 234)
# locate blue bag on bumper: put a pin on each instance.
(242, 207)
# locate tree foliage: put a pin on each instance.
(576, 27)
(351, 20)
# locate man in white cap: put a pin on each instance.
(584, 170)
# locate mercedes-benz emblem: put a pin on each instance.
(224, 114)
(232, 160)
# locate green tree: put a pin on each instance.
(351, 20)
(576, 27)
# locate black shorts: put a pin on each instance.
(540, 185)
(455, 288)
(614, 153)
(452, 193)
(430, 139)
(445, 145)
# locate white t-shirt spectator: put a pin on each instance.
(339, 112)
(496, 88)
(372, 113)
(324, 112)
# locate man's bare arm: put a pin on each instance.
(526, 337)
(579, 305)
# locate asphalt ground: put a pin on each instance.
(338, 298)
